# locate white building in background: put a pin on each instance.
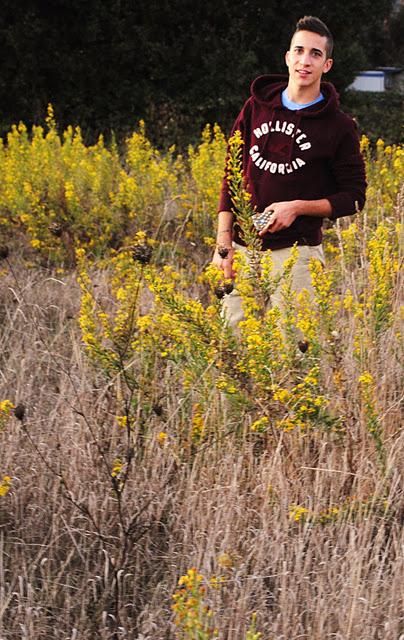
(369, 81)
(381, 79)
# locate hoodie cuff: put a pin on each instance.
(343, 205)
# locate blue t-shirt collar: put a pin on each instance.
(294, 106)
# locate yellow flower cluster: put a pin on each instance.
(328, 303)
(225, 384)
(162, 438)
(352, 507)
(198, 424)
(5, 485)
(6, 406)
(385, 174)
(122, 421)
(247, 285)
(366, 380)
(350, 244)
(383, 255)
(123, 342)
(65, 194)
(240, 196)
(260, 425)
(147, 180)
(182, 325)
(297, 512)
(206, 164)
(109, 333)
(303, 405)
(307, 320)
(374, 252)
(193, 617)
(264, 354)
(373, 424)
(58, 189)
(117, 468)
(252, 633)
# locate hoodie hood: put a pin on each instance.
(267, 90)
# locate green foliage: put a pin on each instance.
(105, 65)
(370, 111)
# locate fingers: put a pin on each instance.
(227, 267)
(225, 264)
(269, 227)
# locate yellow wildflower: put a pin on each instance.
(162, 438)
(5, 485)
(297, 512)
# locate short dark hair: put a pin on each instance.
(311, 23)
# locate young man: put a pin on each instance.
(301, 160)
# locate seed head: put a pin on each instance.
(158, 409)
(228, 287)
(223, 251)
(4, 251)
(56, 229)
(19, 412)
(142, 253)
(224, 289)
(220, 292)
(303, 345)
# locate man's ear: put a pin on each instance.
(328, 64)
(287, 58)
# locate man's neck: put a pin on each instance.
(302, 95)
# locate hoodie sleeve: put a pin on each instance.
(225, 203)
(348, 168)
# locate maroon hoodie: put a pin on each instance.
(308, 154)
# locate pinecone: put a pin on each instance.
(223, 251)
(4, 251)
(220, 292)
(222, 289)
(142, 253)
(303, 345)
(56, 229)
(228, 287)
(19, 412)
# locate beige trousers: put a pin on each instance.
(300, 279)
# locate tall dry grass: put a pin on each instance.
(67, 568)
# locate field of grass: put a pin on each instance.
(160, 477)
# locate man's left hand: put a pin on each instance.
(283, 214)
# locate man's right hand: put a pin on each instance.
(224, 263)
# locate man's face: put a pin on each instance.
(307, 59)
